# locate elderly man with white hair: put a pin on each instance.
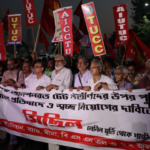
(99, 81)
(145, 81)
(121, 75)
(61, 77)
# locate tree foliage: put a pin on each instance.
(141, 16)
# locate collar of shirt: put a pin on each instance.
(86, 73)
(137, 80)
(15, 72)
(35, 76)
(123, 84)
(97, 80)
(112, 71)
(61, 71)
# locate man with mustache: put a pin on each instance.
(99, 81)
(61, 77)
(133, 77)
(82, 77)
(145, 81)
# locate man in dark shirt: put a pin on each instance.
(145, 81)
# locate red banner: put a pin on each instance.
(121, 23)
(2, 45)
(137, 50)
(65, 16)
(93, 29)
(118, 43)
(14, 22)
(30, 12)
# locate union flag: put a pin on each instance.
(137, 50)
(47, 18)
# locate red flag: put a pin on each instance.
(2, 45)
(47, 18)
(43, 39)
(109, 47)
(137, 50)
(76, 34)
(30, 12)
(121, 23)
(82, 25)
(76, 48)
(5, 21)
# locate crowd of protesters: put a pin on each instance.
(86, 75)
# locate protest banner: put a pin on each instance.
(30, 12)
(15, 33)
(121, 23)
(2, 45)
(65, 16)
(87, 120)
(58, 33)
(93, 29)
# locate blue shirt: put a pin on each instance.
(126, 85)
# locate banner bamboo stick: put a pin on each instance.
(14, 51)
(33, 34)
(56, 49)
(123, 55)
(36, 38)
(119, 2)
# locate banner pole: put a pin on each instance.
(61, 42)
(33, 34)
(14, 51)
(37, 38)
(123, 55)
(56, 49)
(119, 2)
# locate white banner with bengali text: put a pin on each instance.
(86, 120)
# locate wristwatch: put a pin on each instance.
(55, 87)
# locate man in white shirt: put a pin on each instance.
(61, 80)
(82, 77)
(99, 81)
(61, 76)
(38, 80)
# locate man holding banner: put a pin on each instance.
(99, 81)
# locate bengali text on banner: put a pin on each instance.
(87, 120)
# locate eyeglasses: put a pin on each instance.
(58, 61)
(118, 74)
(131, 70)
(93, 67)
(37, 67)
(25, 66)
(10, 64)
(81, 63)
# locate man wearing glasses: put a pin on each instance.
(99, 81)
(12, 77)
(61, 76)
(145, 81)
(81, 78)
(133, 77)
(50, 67)
(121, 75)
(38, 80)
